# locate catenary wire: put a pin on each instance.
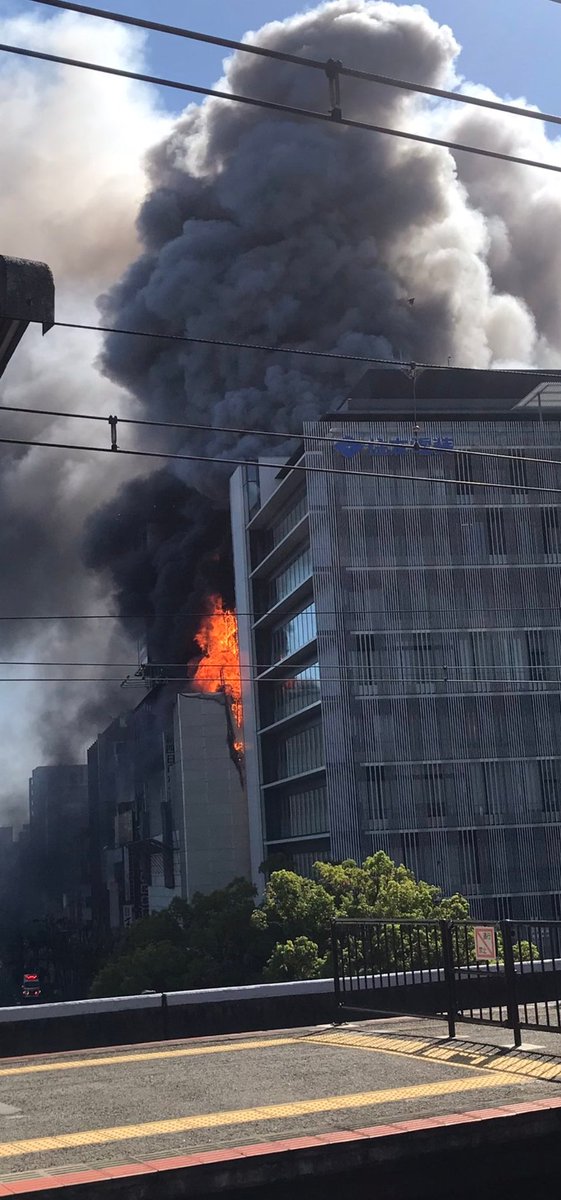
(285, 436)
(243, 462)
(350, 671)
(552, 375)
(285, 109)
(136, 681)
(291, 612)
(300, 60)
(236, 345)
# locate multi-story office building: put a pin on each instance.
(167, 804)
(58, 841)
(404, 632)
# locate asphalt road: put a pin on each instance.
(107, 1107)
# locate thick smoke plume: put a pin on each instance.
(267, 228)
(72, 182)
(253, 226)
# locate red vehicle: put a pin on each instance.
(31, 991)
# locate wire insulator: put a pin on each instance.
(332, 68)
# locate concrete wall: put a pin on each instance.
(209, 801)
(239, 510)
(128, 1020)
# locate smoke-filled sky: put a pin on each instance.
(228, 221)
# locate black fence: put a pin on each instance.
(506, 973)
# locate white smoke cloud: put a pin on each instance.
(73, 146)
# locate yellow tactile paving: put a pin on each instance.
(269, 1112)
(133, 1056)
(490, 1058)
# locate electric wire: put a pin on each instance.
(237, 345)
(552, 375)
(243, 462)
(352, 674)
(413, 446)
(204, 613)
(284, 109)
(243, 431)
(301, 60)
(540, 685)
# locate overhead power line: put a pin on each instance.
(284, 109)
(326, 66)
(244, 462)
(543, 687)
(345, 418)
(552, 375)
(362, 672)
(294, 612)
(236, 345)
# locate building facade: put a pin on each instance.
(167, 805)
(58, 841)
(403, 637)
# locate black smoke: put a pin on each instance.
(165, 549)
(262, 227)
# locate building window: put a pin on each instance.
(377, 779)
(297, 814)
(464, 474)
(420, 657)
(289, 518)
(550, 785)
(550, 531)
(469, 859)
(495, 531)
(290, 577)
(289, 636)
(502, 908)
(517, 470)
(536, 655)
(428, 791)
(301, 752)
(410, 852)
(371, 659)
(411, 662)
(295, 693)
(303, 860)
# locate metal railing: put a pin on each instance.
(422, 968)
(536, 949)
(394, 967)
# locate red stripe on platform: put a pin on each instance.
(261, 1149)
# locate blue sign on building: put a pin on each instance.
(394, 446)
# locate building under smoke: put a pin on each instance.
(256, 227)
(58, 851)
(262, 227)
(168, 811)
(401, 653)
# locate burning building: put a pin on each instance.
(218, 670)
(167, 795)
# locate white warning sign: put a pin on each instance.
(485, 942)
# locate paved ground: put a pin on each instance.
(79, 1110)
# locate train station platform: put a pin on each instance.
(180, 1110)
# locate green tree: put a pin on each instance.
(297, 959)
(293, 908)
(224, 939)
(209, 942)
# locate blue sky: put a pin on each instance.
(506, 43)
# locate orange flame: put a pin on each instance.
(219, 668)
